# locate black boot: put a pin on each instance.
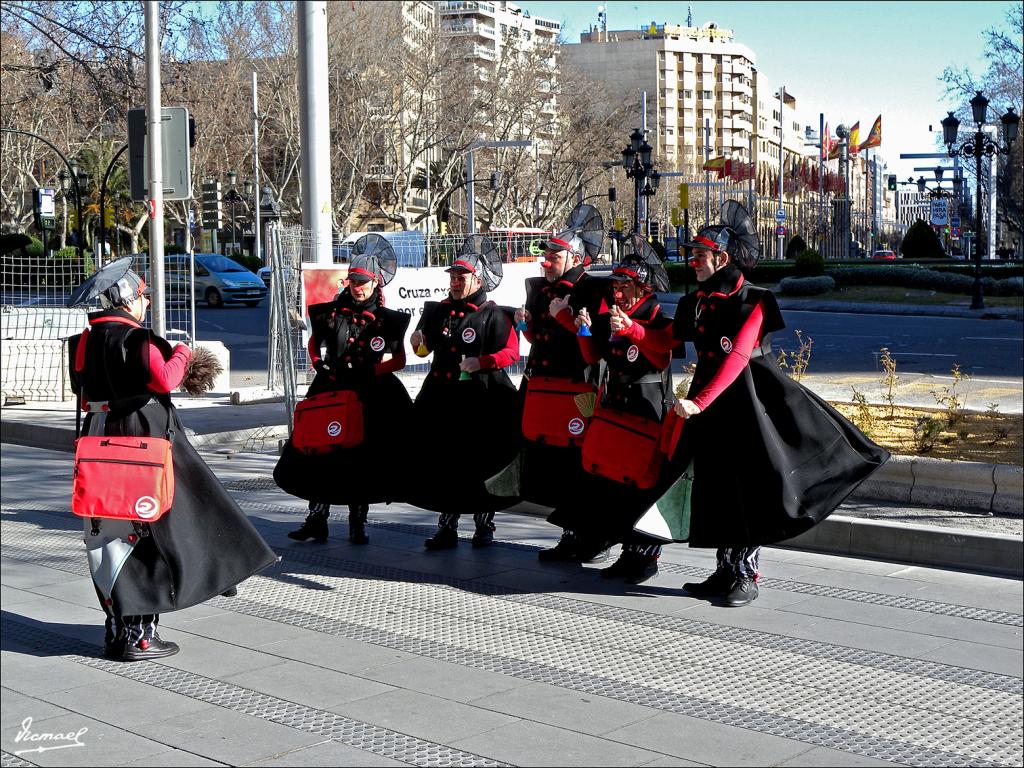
(447, 536)
(484, 535)
(633, 567)
(717, 584)
(591, 551)
(357, 523)
(563, 552)
(744, 592)
(315, 526)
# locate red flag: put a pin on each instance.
(855, 138)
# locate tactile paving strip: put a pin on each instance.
(364, 736)
(843, 703)
(818, 590)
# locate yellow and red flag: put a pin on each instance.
(855, 138)
(874, 138)
(826, 143)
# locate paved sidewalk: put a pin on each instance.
(387, 655)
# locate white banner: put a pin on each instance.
(412, 287)
(940, 213)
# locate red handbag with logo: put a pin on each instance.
(126, 478)
(551, 414)
(328, 421)
(624, 448)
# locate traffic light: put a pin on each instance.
(611, 194)
(892, 182)
(655, 230)
(213, 217)
(442, 228)
(684, 196)
(495, 180)
(620, 224)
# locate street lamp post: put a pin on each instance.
(978, 146)
(636, 159)
(482, 144)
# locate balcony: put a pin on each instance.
(466, 6)
(468, 28)
(379, 172)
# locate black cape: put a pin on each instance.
(770, 458)
(366, 473)
(204, 544)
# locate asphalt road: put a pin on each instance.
(842, 343)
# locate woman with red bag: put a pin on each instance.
(359, 389)
(621, 452)
(203, 545)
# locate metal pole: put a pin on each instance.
(257, 232)
(748, 171)
(154, 145)
(707, 173)
(977, 296)
(780, 252)
(314, 119)
(470, 210)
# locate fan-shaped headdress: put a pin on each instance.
(643, 265)
(114, 284)
(583, 233)
(736, 235)
(479, 256)
(373, 258)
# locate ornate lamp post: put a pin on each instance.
(636, 159)
(978, 146)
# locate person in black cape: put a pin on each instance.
(769, 457)
(350, 338)
(204, 545)
(630, 338)
(466, 414)
(549, 473)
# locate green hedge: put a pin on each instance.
(929, 279)
(806, 286)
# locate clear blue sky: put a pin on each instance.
(850, 60)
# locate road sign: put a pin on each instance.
(954, 221)
(177, 130)
(780, 215)
(940, 213)
(780, 230)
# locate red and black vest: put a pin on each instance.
(711, 317)
(634, 383)
(356, 336)
(555, 350)
(466, 328)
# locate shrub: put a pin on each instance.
(921, 242)
(810, 263)
(806, 286)
(34, 249)
(1011, 286)
(249, 262)
(795, 247)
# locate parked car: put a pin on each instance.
(263, 273)
(219, 280)
(884, 254)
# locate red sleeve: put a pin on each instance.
(313, 348)
(166, 375)
(651, 341)
(396, 363)
(735, 361)
(80, 352)
(503, 358)
(567, 320)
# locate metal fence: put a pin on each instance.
(35, 323)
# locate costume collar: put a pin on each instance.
(113, 316)
(725, 282)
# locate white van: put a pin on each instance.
(410, 247)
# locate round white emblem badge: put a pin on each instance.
(726, 343)
(377, 343)
(146, 507)
(334, 428)
(632, 353)
(469, 335)
(576, 426)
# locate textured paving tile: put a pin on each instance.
(426, 717)
(330, 753)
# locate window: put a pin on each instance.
(687, 94)
(706, 94)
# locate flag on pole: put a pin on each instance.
(855, 138)
(874, 138)
(719, 165)
(826, 143)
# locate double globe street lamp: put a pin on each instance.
(636, 159)
(977, 146)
